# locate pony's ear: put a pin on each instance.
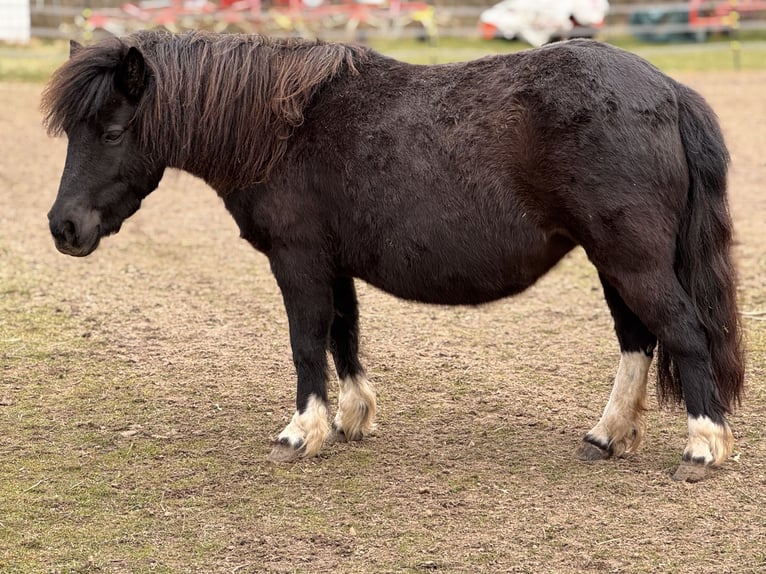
(130, 76)
(74, 47)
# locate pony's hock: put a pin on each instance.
(454, 184)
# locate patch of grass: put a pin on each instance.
(463, 482)
(30, 333)
(709, 56)
(62, 508)
(36, 62)
(706, 57)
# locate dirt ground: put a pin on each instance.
(140, 389)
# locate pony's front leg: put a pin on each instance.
(308, 302)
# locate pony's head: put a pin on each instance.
(220, 106)
(93, 98)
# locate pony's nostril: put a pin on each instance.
(69, 231)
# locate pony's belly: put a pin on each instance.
(458, 276)
(450, 291)
(446, 289)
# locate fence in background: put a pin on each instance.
(359, 19)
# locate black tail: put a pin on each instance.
(703, 254)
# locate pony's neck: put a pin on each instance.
(224, 107)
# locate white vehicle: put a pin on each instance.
(537, 22)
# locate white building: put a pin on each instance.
(14, 20)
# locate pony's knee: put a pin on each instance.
(356, 408)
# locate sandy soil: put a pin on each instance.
(140, 387)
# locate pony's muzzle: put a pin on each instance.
(72, 238)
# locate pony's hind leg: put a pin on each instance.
(356, 397)
(667, 310)
(623, 423)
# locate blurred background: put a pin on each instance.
(696, 35)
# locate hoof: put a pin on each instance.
(588, 451)
(283, 451)
(692, 472)
(336, 435)
(304, 436)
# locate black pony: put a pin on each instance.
(453, 184)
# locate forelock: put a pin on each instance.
(81, 86)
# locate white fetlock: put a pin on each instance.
(709, 443)
(356, 408)
(623, 425)
(308, 430)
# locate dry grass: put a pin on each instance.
(140, 387)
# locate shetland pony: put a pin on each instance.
(455, 184)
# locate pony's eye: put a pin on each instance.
(113, 137)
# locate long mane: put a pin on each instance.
(210, 97)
